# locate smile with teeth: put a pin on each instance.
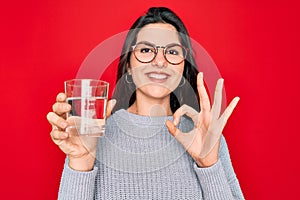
(157, 76)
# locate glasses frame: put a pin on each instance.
(156, 51)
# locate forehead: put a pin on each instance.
(159, 34)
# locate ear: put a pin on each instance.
(128, 69)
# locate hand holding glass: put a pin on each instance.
(88, 99)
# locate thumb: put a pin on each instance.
(110, 106)
(171, 127)
(175, 131)
(186, 139)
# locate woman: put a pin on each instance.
(157, 88)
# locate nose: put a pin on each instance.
(159, 59)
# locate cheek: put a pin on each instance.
(178, 74)
(178, 69)
(137, 70)
(134, 63)
(138, 76)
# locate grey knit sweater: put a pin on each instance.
(139, 159)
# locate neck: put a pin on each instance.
(151, 107)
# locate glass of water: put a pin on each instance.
(88, 99)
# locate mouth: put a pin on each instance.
(157, 77)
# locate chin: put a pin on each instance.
(158, 92)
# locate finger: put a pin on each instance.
(55, 120)
(61, 97)
(215, 131)
(58, 135)
(110, 106)
(61, 108)
(174, 130)
(185, 110)
(185, 139)
(171, 127)
(204, 99)
(216, 108)
(228, 111)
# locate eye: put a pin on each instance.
(146, 50)
(173, 52)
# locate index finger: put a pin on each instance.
(186, 110)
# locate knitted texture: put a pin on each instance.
(139, 159)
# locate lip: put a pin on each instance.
(157, 77)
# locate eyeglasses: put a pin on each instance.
(145, 52)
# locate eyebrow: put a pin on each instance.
(151, 43)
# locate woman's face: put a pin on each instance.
(157, 78)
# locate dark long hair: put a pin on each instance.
(125, 89)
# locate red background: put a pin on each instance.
(255, 45)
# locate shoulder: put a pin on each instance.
(116, 116)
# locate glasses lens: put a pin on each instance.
(144, 52)
(175, 54)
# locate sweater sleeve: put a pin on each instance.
(77, 185)
(219, 181)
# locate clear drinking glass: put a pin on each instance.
(88, 98)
